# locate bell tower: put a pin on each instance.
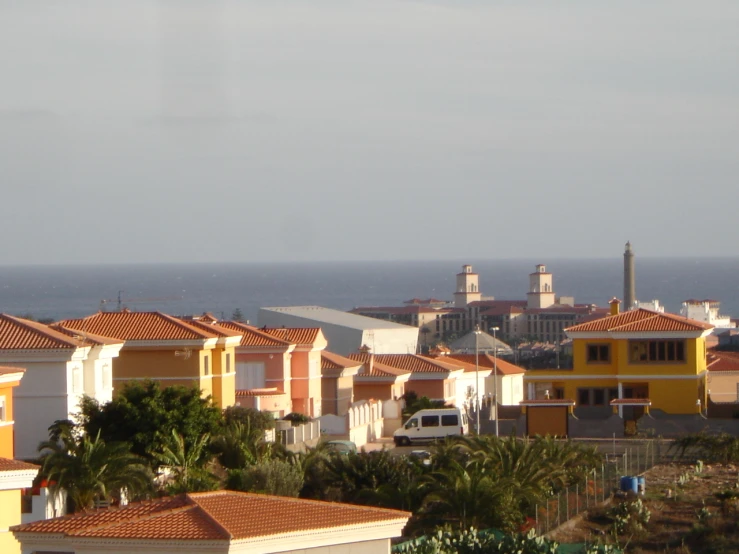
(541, 293)
(468, 287)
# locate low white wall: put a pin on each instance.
(363, 423)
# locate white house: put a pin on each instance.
(61, 366)
(346, 332)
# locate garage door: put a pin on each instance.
(546, 420)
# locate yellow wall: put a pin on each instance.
(6, 431)
(164, 366)
(10, 514)
(224, 388)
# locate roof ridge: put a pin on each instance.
(185, 326)
(210, 516)
(36, 327)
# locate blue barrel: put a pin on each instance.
(629, 483)
(642, 484)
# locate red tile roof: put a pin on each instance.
(7, 370)
(329, 360)
(7, 464)
(137, 326)
(253, 337)
(378, 370)
(88, 339)
(23, 334)
(640, 320)
(411, 362)
(488, 362)
(220, 515)
(297, 335)
(722, 361)
(211, 326)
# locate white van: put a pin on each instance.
(432, 424)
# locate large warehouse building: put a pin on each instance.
(346, 333)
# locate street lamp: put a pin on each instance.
(495, 377)
(477, 377)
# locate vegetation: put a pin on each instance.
(183, 467)
(413, 403)
(471, 541)
(723, 448)
(278, 477)
(92, 471)
(144, 414)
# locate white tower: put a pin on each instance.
(468, 287)
(541, 293)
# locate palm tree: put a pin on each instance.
(91, 471)
(184, 469)
(241, 445)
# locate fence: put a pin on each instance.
(623, 458)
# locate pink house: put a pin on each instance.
(280, 367)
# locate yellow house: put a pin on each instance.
(14, 475)
(630, 362)
(163, 348)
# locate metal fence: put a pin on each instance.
(622, 458)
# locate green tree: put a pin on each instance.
(249, 416)
(90, 469)
(239, 445)
(237, 316)
(184, 467)
(145, 414)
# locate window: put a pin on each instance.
(449, 420)
(228, 363)
(3, 415)
(559, 393)
(430, 421)
(206, 365)
(612, 394)
(412, 424)
(656, 351)
(583, 397)
(599, 397)
(598, 353)
(249, 375)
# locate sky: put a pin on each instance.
(194, 131)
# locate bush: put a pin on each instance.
(249, 416)
(471, 541)
(297, 418)
(267, 477)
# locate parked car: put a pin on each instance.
(432, 424)
(342, 447)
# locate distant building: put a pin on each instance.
(345, 332)
(706, 311)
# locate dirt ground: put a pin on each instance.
(686, 515)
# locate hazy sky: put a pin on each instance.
(219, 130)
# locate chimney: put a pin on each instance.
(615, 306)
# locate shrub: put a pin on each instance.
(276, 477)
(297, 418)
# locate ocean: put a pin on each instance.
(57, 292)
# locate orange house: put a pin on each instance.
(378, 381)
(337, 384)
(166, 349)
(14, 475)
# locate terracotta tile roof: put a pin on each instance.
(88, 339)
(253, 337)
(640, 320)
(220, 515)
(631, 402)
(548, 402)
(7, 370)
(246, 393)
(488, 362)
(722, 361)
(411, 362)
(23, 334)
(329, 360)
(7, 464)
(301, 336)
(211, 326)
(137, 326)
(378, 370)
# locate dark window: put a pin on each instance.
(599, 397)
(599, 353)
(430, 421)
(655, 351)
(612, 394)
(583, 397)
(412, 423)
(559, 393)
(449, 420)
